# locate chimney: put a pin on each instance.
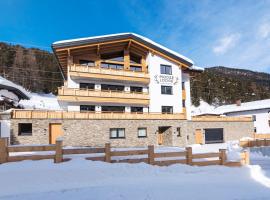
(238, 102)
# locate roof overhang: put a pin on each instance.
(62, 46)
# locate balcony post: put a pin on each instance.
(126, 59)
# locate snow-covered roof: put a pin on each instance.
(41, 101)
(102, 38)
(19, 90)
(253, 105)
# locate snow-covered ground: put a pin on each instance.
(84, 179)
(41, 101)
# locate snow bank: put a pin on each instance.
(203, 108)
(41, 101)
(82, 179)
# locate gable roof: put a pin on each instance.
(119, 36)
(17, 89)
(253, 105)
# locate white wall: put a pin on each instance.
(5, 128)
(156, 98)
(262, 117)
(186, 80)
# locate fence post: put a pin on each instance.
(189, 155)
(108, 152)
(3, 150)
(58, 151)
(245, 158)
(151, 158)
(222, 156)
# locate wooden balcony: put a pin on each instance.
(79, 71)
(83, 95)
(43, 114)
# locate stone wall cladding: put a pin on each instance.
(40, 131)
(97, 132)
(231, 130)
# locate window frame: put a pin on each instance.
(165, 71)
(142, 128)
(178, 130)
(117, 133)
(164, 90)
(166, 107)
(21, 133)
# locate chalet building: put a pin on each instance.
(127, 90)
(259, 110)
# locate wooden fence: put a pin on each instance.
(255, 143)
(147, 155)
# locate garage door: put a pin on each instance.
(213, 135)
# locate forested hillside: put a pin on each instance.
(221, 85)
(34, 69)
(37, 70)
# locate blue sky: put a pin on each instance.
(229, 33)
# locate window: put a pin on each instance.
(254, 118)
(117, 109)
(87, 108)
(88, 86)
(136, 68)
(178, 130)
(117, 133)
(183, 85)
(255, 130)
(111, 66)
(25, 129)
(137, 109)
(183, 103)
(166, 69)
(112, 87)
(167, 109)
(142, 132)
(136, 89)
(166, 89)
(87, 63)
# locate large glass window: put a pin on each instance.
(137, 109)
(89, 108)
(89, 86)
(166, 109)
(117, 133)
(136, 89)
(112, 87)
(166, 89)
(119, 109)
(87, 63)
(136, 68)
(166, 69)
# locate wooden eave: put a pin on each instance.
(135, 44)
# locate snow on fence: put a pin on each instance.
(146, 155)
(255, 143)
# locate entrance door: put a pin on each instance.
(198, 136)
(160, 138)
(55, 132)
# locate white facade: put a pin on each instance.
(261, 119)
(157, 100)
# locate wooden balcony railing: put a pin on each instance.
(79, 95)
(43, 114)
(110, 74)
(101, 93)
